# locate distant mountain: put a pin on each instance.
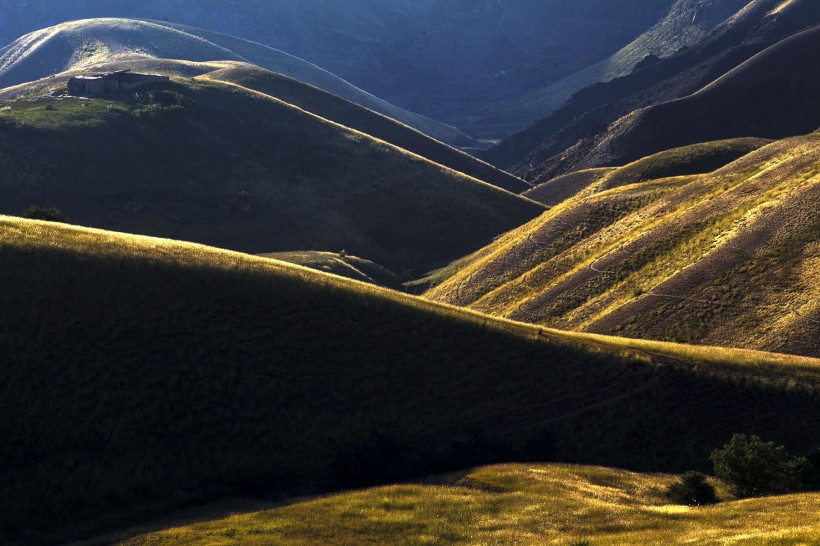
(727, 258)
(683, 25)
(583, 122)
(210, 161)
(454, 60)
(86, 43)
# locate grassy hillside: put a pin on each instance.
(340, 264)
(728, 258)
(693, 159)
(86, 43)
(210, 373)
(532, 504)
(356, 117)
(561, 188)
(217, 163)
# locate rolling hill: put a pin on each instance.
(727, 258)
(532, 504)
(699, 158)
(579, 125)
(450, 59)
(211, 373)
(80, 45)
(351, 115)
(217, 163)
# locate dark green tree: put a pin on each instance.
(692, 490)
(753, 467)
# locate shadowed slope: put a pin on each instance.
(87, 43)
(772, 95)
(356, 117)
(556, 145)
(220, 164)
(142, 373)
(728, 258)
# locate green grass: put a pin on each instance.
(144, 374)
(219, 164)
(513, 504)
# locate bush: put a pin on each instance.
(52, 214)
(754, 468)
(692, 490)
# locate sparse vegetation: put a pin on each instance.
(754, 468)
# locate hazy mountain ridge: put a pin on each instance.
(86, 43)
(579, 124)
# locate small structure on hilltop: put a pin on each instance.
(121, 80)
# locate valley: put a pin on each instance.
(412, 272)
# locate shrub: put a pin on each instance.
(754, 468)
(692, 490)
(52, 214)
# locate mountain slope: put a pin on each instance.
(451, 59)
(83, 44)
(356, 117)
(728, 258)
(685, 24)
(582, 121)
(216, 163)
(772, 95)
(205, 377)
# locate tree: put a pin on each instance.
(754, 468)
(692, 490)
(52, 214)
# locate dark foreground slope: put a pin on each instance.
(140, 374)
(217, 163)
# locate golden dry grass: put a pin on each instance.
(514, 504)
(726, 258)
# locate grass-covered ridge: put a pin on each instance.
(86, 44)
(351, 115)
(532, 504)
(728, 258)
(217, 163)
(141, 374)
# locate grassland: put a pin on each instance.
(84, 45)
(356, 117)
(143, 374)
(341, 264)
(728, 258)
(217, 163)
(531, 504)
